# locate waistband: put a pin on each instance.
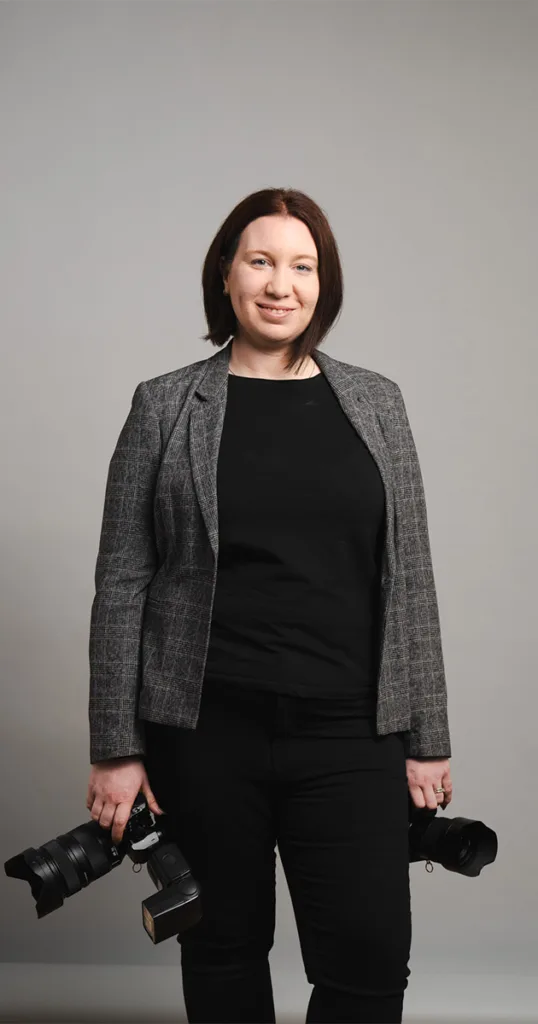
(320, 716)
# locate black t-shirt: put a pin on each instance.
(301, 528)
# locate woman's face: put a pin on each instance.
(275, 264)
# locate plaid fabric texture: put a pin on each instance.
(156, 565)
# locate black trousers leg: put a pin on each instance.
(343, 841)
(261, 769)
(214, 785)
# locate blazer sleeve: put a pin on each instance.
(429, 735)
(126, 563)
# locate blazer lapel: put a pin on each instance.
(355, 398)
(205, 431)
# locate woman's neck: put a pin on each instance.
(248, 361)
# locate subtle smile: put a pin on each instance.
(276, 311)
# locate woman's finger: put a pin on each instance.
(151, 799)
(431, 796)
(121, 818)
(417, 796)
(107, 814)
(96, 808)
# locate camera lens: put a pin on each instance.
(64, 865)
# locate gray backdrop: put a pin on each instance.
(129, 130)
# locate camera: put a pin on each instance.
(67, 864)
(462, 845)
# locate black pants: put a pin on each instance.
(260, 770)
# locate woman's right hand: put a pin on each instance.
(112, 790)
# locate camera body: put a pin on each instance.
(176, 905)
(67, 864)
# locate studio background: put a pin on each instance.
(129, 130)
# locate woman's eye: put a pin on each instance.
(260, 259)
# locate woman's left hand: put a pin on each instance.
(423, 778)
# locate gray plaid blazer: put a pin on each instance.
(156, 565)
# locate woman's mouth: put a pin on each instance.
(274, 312)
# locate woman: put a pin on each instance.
(265, 649)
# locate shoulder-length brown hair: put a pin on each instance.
(220, 316)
